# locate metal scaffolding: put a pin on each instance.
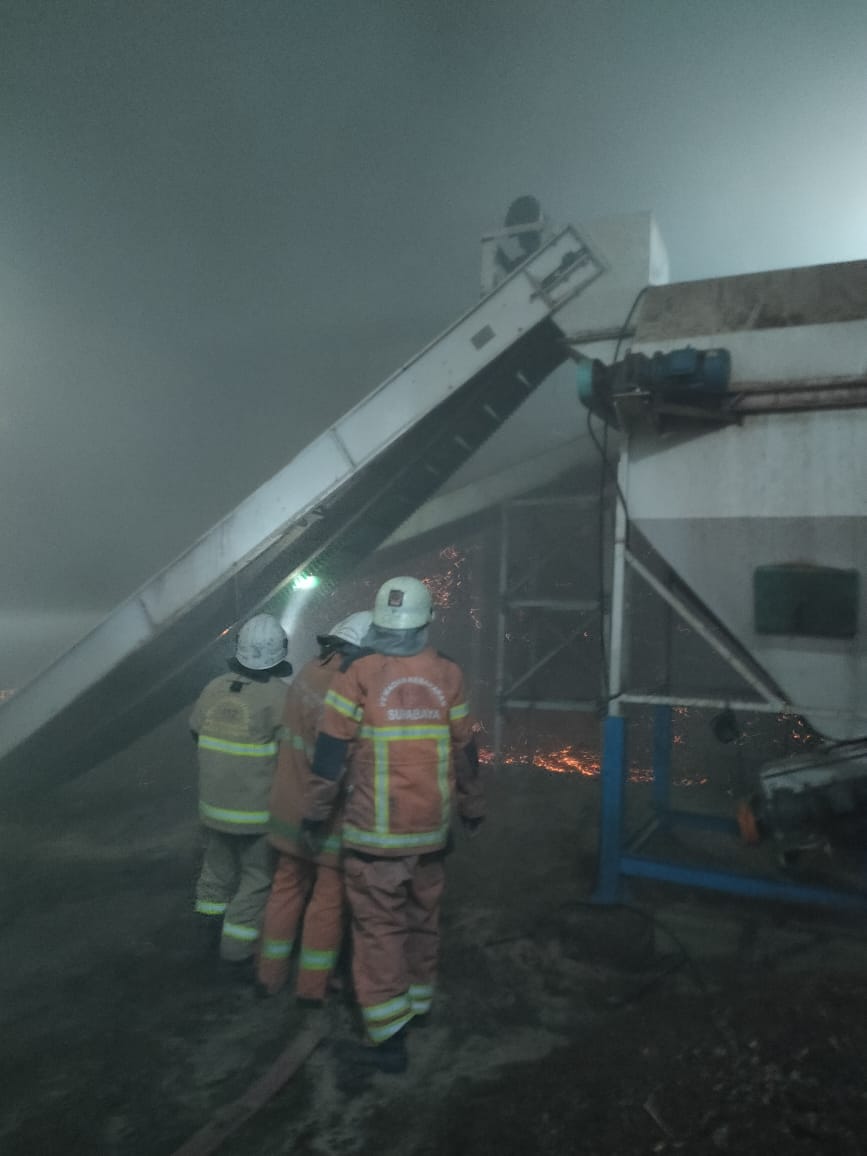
(538, 622)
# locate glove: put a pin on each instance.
(471, 826)
(312, 835)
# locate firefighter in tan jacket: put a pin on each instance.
(305, 884)
(236, 723)
(403, 705)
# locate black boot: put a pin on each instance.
(208, 932)
(357, 1063)
(309, 1005)
(237, 971)
(390, 1056)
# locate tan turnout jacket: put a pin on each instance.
(237, 720)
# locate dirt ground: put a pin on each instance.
(683, 1022)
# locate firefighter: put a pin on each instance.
(304, 883)
(402, 703)
(236, 722)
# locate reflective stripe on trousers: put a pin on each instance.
(234, 881)
(312, 960)
(206, 907)
(276, 948)
(241, 819)
(306, 903)
(420, 998)
(383, 1020)
(395, 909)
(243, 932)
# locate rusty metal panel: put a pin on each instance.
(782, 298)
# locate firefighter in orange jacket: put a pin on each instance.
(403, 705)
(308, 885)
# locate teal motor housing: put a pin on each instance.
(705, 370)
(681, 375)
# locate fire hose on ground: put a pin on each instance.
(226, 1121)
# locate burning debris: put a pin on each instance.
(566, 760)
(562, 761)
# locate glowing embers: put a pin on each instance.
(445, 585)
(566, 760)
(559, 761)
(800, 733)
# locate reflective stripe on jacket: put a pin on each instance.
(237, 720)
(302, 715)
(409, 716)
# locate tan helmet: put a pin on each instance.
(402, 604)
(351, 629)
(262, 643)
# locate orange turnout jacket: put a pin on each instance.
(301, 719)
(410, 720)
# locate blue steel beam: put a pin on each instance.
(608, 883)
(617, 861)
(739, 883)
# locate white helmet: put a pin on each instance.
(262, 643)
(351, 629)
(402, 604)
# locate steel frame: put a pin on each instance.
(513, 595)
(619, 858)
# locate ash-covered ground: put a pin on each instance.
(684, 1022)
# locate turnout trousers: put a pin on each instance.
(233, 885)
(395, 905)
(303, 890)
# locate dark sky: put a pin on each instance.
(222, 223)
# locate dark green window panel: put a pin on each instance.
(811, 601)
